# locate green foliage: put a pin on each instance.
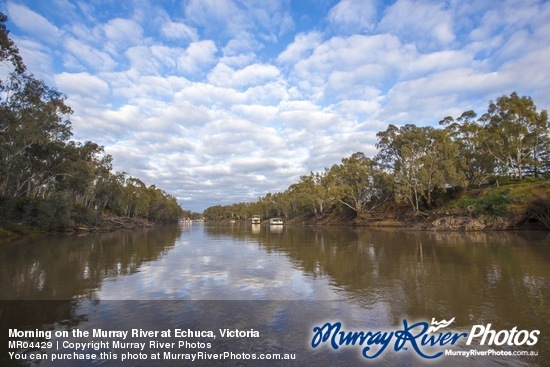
(20, 209)
(516, 135)
(310, 196)
(8, 50)
(494, 203)
(359, 183)
(421, 159)
(443, 196)
(83, 215)
(54, 213)
(50, 214)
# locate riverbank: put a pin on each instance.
(103, 223)
(503, 206)
(437, 222)
(110, 222)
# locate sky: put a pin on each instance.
(224, 101)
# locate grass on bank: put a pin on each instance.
(526, 201)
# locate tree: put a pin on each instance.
(541, 146)
(473, 159)
(514, 133)
(8, 50)
(358, 183)
(33, 124)
(422, 159)
(86, 168)
(311, 193)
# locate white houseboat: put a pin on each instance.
(276, 221)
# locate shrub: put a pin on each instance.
(82, 215)
(494, 203)
(54, 213)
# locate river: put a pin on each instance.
(282, 282)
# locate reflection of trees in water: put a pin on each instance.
(68, 267)
(499, 278)
(57, 271)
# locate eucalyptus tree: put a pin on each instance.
(76, 172)
(422, 159)
(311, 194)
(358, 183)
(541, 145)
(8, 50)
(473, 158)
(139, 197)
(107, 189)
(516, 134)
(164, 207)
(34, 121)
(216, 212)
(266, 204)
(34, 126)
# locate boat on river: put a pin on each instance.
(256, 219)
(276, 221)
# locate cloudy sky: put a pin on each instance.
(222, 101)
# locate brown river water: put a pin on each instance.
(286, 285)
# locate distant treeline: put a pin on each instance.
(47, 180)
(419, 167)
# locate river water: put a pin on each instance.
(283, 282)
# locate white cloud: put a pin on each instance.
(353, 16)
(179, 31)
(251, 75)
(423, 64)
(203, 94)
(121, 34)
(224, 15)
(36, 25)
(242, 47)
(437, 93)
(269, 93)
(353, 109)
(86, 86)
(167, 56)
(36, 56)
(301, 47)
(346, 67)
(426, 24)
(261, 114)
(305, 114)
(197, 56)
(90, 57)
(142, 60)
(232, 19)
